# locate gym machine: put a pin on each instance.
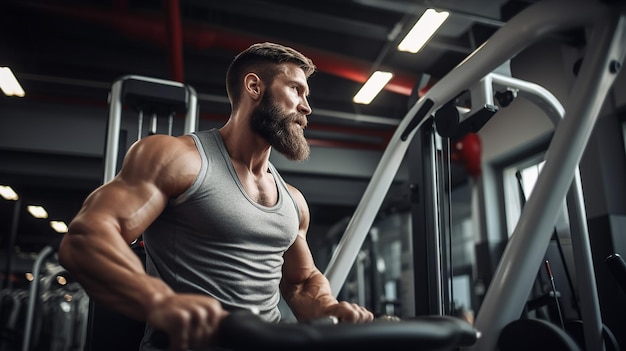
(157, 97)
(159, 100)
(559, 180)
(146, 95)
(55, 308)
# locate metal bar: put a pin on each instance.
(115, 116)
(587, 287)
(153, 124)
(522, 257)
(191, 117)
(586, 278)
(170, 124)
(139, 124)
(439, 192)
(424, 213)
(535, 93)
(113, 128)
(533, 23)
(33, 294)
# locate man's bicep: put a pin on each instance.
(118, 207)
(140, 191)
(303, 209)
(298, 265)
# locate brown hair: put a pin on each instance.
(262, 59)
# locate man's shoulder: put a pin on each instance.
(161, 148)
(160, 156)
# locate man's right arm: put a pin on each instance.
(97, 253)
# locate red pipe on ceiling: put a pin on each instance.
(150, 28)
(175, 36)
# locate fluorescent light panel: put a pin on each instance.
(372, 87)
(37, 211)
(423, 30)
(9, 84)
(8, 193)
(59, 226)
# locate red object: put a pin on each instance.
(467, 151)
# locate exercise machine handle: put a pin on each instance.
(617, 267)
(242, 330)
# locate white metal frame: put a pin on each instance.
(512, 281)
(115, 117)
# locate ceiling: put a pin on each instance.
(71, 51)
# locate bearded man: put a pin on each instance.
(222, 230)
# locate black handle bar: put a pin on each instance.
(617, 267)
(241, 331)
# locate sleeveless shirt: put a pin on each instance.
(214, 239)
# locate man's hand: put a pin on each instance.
(347, 312)
(190, 321)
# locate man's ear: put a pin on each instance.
(253, 86)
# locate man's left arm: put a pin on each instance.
(305, 289)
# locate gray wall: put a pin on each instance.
(330, 176)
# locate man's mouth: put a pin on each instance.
(301, 122)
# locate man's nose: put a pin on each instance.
(305, 108)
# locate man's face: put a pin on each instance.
(283, 131)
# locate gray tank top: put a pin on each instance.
(214, 239)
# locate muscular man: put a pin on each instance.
(222, 230)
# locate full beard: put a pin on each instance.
(280, 129)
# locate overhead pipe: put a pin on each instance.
(203, 37)
(200, 37)
(175, 35)
(151, 29)
(121, 5)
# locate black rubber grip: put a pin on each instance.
(617, 266)
(247, 331)
(415, 121)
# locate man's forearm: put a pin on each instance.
(113, 276)
(311, 298)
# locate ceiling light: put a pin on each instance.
(8, 193)
(59, 226)
(372, 87)
(423, 30)
(9, 84)
(37, 211)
